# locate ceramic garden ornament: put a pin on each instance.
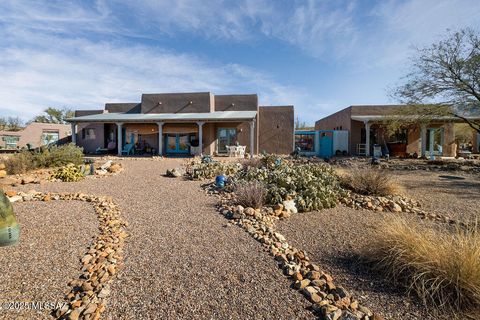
(9, 229)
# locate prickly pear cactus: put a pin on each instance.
(9, 229)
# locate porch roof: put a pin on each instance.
(367, 118)
(170, 117)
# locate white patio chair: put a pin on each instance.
(241, 151)
(230, 150)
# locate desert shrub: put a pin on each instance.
(20, 163)
(55, 156)
(200, 171)
(251, 194)
(69, 173)
(370, 181)
(311, 186)
(45, 157)
(441, 266)
(252, 162)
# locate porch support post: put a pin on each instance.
(475, 141)
(200, 136)
(367, 138)
(423, 139)
(119, 138)
(74, 132)
(252, 138)
(160, 138)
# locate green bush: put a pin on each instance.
(200, 171)
(312, 186)
(55, 156)
(69, 173)
(20, 163)
(45, 157)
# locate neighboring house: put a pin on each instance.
(366, 129)
(174, 123)
(321, 143)
(35, 134)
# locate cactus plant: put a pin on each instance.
(69, 173)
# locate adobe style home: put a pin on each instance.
(34, 135)
(365, 124)
(179, 123)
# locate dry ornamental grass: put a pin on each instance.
(441, 266)
(251, 194)
(370, 181)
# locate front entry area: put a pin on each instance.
(178, 143)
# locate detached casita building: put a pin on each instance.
(366, 128)
(177, 123)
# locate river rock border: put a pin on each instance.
(329, 300)
(87, 296)
(396, 204)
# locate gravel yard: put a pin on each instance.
(451, 193)
(52, 240)
(334, 237)
(182, 260)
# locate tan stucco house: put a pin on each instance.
(177, 123)
(365, 124)
(35, 134)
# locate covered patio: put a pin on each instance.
(167, 133)
(433, 138)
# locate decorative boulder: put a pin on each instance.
(173, 173)
(289, 206)
(9, 229)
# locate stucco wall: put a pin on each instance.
(236, 102)
(338, 119)
(134, 107)
(177, 102)
(91, 144)
(276, 129)
(32, 134)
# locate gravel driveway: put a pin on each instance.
(182, 261)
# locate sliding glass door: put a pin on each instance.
(226, 137)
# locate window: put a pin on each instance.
(306, 142)
(88, 134)
(11, 141)
(49, 137)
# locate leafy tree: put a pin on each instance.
(54, 115)
(445, 80)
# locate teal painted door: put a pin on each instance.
(326, 146)
(177, 143)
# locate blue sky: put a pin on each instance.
(320, 56)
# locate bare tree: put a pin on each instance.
(14, 124)
(445, 80)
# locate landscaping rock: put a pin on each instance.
(174, 173)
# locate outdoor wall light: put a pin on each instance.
(159, 102)
(190, 102)
(233, 104)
